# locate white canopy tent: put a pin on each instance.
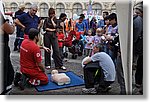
(125, 27)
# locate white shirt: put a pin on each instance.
(97, 39)
(89, 40)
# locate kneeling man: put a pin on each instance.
(30, 59)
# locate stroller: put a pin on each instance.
(72, 44)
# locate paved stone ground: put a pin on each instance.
(71, 65)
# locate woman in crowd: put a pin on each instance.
(50, 39)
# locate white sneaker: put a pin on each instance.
(65, 59)
(48, 67)
(62, 67)
(89, 90)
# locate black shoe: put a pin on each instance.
(18, 50)
(17, 78)
(104, 89)
(21, 85)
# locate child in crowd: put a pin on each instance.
(80, 30)
(107, 23)
(89, 43)
(98, 38)
(106, 19)
(60, 41)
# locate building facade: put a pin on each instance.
(69, 7)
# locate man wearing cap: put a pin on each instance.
(19, 32)
(29, 20)
(106, 71)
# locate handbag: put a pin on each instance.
(7, 28)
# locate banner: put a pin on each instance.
(89, 10)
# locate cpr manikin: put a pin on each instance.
(59, 78)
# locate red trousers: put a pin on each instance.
(36, 77)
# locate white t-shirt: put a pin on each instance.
(97, 39)
(89, 40)
(107, 65)
(112, 30)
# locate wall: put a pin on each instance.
(68, 4)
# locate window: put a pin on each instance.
(13, 7)
(77, 9)
(27, 7)
(6, 9)
(60, 8)
(43, 10)
(97, 9)
(113, 8)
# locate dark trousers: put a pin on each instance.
(88, 52)
(120, 75)
(61, 52)
(90, 78)
(139, 71)
(50, 39)
(19, 38)
(81, 44)
(8, 70)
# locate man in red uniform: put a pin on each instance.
(30, 59)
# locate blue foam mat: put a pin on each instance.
(75, 81)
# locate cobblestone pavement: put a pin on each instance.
(71, 65)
